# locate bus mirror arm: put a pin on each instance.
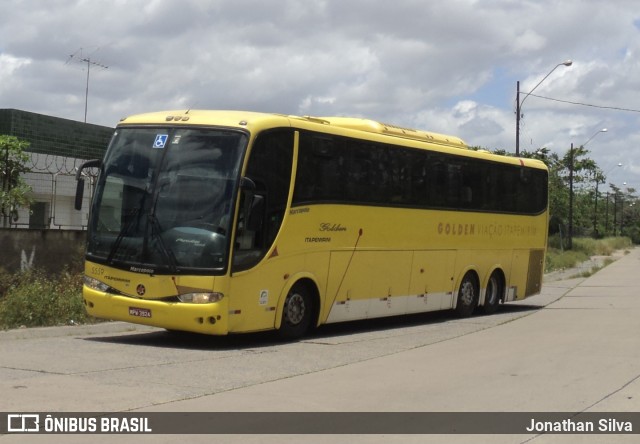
(95, 163)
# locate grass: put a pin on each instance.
(32, 299)
(583, 249)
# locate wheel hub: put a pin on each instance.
(295, 309)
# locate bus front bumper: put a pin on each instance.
(210, 319)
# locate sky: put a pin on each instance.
(445, 66)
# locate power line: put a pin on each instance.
(615, 108)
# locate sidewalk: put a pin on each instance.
(580, 353)
(585, 343)
(573, 348)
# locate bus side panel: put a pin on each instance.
(517, 279)
(535, 272)
(256, 295)
(253, 296)
(431, 281)
(367, 284)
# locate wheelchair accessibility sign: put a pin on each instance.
(161, 140)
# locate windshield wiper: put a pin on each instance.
(135, 212)
(156, 232)
(125, 230)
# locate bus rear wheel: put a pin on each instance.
(296, 313)
(467, 295)
(493, 294)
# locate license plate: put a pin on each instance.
(140, 312)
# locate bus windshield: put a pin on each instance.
(164, 200)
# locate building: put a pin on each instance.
(57, 147)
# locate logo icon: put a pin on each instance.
(161, 140)
(140, 290)
(23, 423)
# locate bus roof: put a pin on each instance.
(372, 126)
(234, 118)
(257, 121)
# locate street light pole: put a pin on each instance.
(571, 163)
(595, 205)
(570, 233)
(518, 106)
(615, 212)
(520, 103)
(606, 216)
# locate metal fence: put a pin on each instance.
(53, 189)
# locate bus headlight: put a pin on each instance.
(200, 298)
(95, 284)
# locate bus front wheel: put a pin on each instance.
(296, 313)
(467, 295)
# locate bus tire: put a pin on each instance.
(493, 293)
(296, 313)
(467, 295)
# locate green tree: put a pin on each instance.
(558, 188)
(579, 168)
(14, 191)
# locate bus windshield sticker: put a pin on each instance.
(161, 140)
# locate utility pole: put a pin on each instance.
(89, 63)
(518, 118)
(570, 235)
(520, 102)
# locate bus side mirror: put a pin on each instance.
(79, 193)
(95, 163)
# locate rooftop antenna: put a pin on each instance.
(78, 56)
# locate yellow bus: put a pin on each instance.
(221, 222)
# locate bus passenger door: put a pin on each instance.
(254, 287)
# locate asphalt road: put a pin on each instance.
(575, 348)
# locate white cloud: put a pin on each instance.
(529, 40)
(9, 68)
(449, 67)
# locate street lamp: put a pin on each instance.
(603, 130)
(519, 103)
(570, 234)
